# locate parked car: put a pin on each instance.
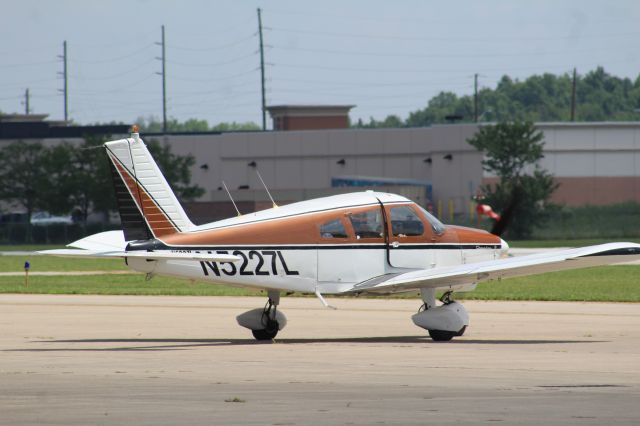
(46, 218)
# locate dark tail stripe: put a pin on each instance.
(133, 224)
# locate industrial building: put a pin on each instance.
(594, 163)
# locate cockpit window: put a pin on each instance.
(405, 222)
(333, 229)
(437, 226)
(367, 224)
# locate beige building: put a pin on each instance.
(595, 163)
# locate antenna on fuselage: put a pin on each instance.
(266, 189)
(231, 198)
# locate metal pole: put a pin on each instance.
(573, 97)
(264, 109)
(475, 98)
(66, 84)
(164, 86)
(26, 102)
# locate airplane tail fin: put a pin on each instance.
(148, 207)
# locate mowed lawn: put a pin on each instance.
(607, 283)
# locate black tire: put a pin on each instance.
(264, 334)
(442, 335)
(268, 333)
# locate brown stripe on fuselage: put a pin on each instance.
(301, 229)
(158, 222)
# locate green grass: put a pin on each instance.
(602, 284)
(50, 263)
(607, 283)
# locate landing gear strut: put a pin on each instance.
(269, 322)
(266, 322)
(443, 322)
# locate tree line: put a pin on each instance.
(70, 178)
(152, 124)
(600, 96)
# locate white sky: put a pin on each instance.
(386, 57)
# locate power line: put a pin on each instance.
(501, 38)
(129, 70)
(215, 64)
(227, 77)
(116, 58)
(207, 49)
(435, 55)
(28, 64)
(387, 20)
(224, 30)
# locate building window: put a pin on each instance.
(405, 222)
(333, 229)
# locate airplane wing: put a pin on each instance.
(473, 273)
(151, 255)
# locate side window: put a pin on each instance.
(333, 229)
(367, 224)
(405, 222)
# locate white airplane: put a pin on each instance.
(351, 244)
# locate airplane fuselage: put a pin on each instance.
(311, 248)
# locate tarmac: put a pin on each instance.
(81, 360)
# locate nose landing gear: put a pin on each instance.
(443, 322)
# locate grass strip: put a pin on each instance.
(601, 284)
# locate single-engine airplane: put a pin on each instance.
(350, 244)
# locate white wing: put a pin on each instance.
(461, 275)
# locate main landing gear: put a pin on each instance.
(264, 323)
(443, 322)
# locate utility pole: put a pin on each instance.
(264, 108)
(573, 97)
(27, 110)
(164, 83)
(66, 80)
(475, 97)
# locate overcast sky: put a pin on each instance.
(385, 57)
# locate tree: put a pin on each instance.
(24, 177)
(84, 183)
(79, 178)
(511, 152)
(547, 97)
(392, 121)
(152, 124)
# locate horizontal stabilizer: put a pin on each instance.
(150, 255)
(104, 241)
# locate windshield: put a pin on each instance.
(436, 225)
